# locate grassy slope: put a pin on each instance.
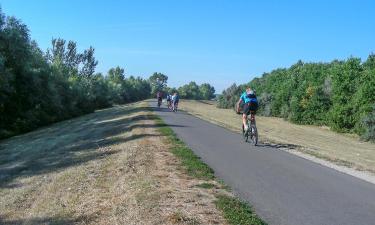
(116, 166)
(318, 141)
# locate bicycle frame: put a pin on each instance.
(252, 132)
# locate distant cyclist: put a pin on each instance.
(159, 97)
(175, 100)
(169, 99)
(250, 101)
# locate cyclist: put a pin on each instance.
(169, 99)
(159, 97)
(249, 99)
(175, 100)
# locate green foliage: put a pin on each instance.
(205, 185)
(191, 163)
(37, 89)
(369, 124)
(194, 91)
(207, 92)
(189, 91)
(158, 82)
(236, 211)
(339, 94)
(229, 97)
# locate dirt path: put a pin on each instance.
(317, 141)
(109, 167)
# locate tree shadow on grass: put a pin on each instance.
(70, 143)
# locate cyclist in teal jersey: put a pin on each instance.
(249, 99)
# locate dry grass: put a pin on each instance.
(109, 167)
(318, 141)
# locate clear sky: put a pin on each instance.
(214, 41)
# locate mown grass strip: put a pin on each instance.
(205, 185)
(234, 210)
(192, 163)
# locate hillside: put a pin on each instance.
(109, 167)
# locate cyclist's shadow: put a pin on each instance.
(277, 146)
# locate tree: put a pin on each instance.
(116, 75)
(39, 88)
(89, 62)
(158, 82)
(207, 92)
(190, 91)
(229, 97)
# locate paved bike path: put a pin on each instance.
(283, 188)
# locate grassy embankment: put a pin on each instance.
(114, 166)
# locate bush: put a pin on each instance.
(369, 124)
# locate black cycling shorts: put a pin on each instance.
(251, 106)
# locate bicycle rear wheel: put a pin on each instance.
(254, 135)
(245, 134)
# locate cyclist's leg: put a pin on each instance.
(244, 120)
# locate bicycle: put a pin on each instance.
(174, 107)
(159, 102)
(252, 130)
(169, 105)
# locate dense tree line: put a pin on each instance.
(339, 94)
(188, 91)
(198, 92)
(38, 88)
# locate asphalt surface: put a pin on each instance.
(284, 189)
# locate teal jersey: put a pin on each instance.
(246, 98)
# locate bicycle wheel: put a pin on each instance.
(254, 135)
(245, 134)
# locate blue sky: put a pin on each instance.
(214, 41)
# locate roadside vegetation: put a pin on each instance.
(339, 94)
(193, 91)
(38, 88)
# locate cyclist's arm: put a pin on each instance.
(238, 104)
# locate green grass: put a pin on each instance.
(191, 163)
(205, 185)
(234, 210)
